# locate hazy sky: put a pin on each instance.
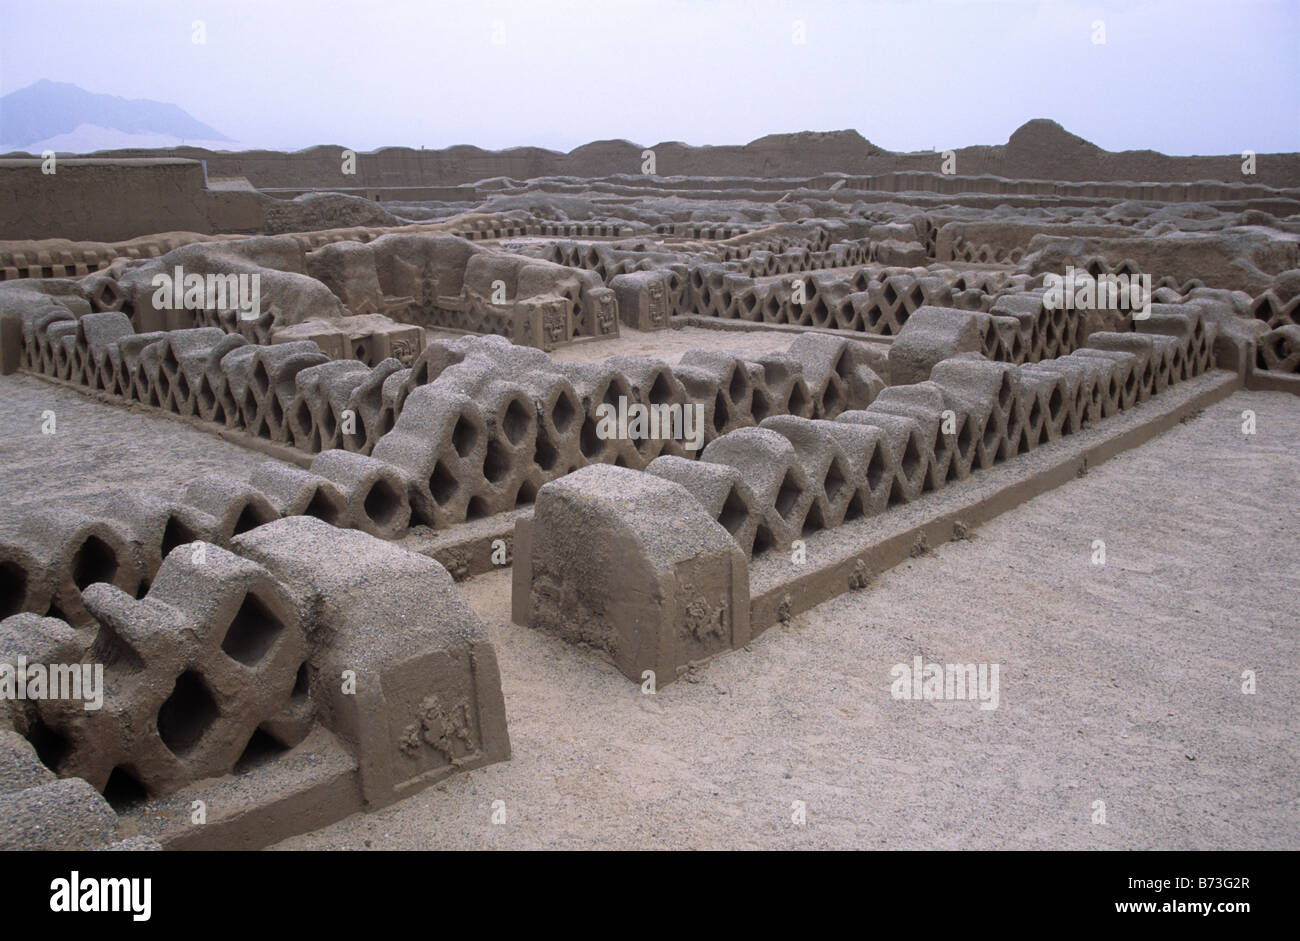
(1180, 76)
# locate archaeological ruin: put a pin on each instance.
(669, 411)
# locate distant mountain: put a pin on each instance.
(63, 117)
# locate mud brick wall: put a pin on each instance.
(1278, 308)
(1032, 160)
(237, 652)
(102, 200)
(473, 427)
(681, 594)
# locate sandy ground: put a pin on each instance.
(669, 345)
(1119, 683)
(98, 447)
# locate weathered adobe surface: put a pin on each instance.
(1039, 149)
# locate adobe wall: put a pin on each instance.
(1039, 150)
(101, 199)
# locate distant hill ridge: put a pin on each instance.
(50, 109)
